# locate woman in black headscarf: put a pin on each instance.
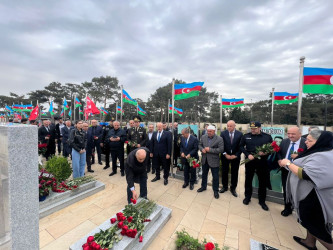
(310, 189)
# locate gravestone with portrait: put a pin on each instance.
(19, 218)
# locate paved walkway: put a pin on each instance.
(225, 220)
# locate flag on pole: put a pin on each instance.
(232, 103)
(28, 108)
(9, 108)
(70, 113)
(34, 114)
(91, 107)
(128, 99)
(65, 104)
(62, 112)
(176, 110)
(104, 111)
(187, 90)
(285, 97)
(43, 113)
(119, 110)
(141, 111)
(51, 108)
(17, 107)
(17, 115)
(80, 111)
(77, 102)
(318, 81)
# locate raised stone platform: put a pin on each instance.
(57, 201)
(159, 218)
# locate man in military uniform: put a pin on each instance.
(137, 136)
(105, 145)
(248, 145)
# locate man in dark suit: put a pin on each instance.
(46, 134)
(189, 147)
(149, 138)
(289, 149)
(58, 128)
(160, 149)
(65, 132)
(89, 149)
(97, 134)
(231, 156)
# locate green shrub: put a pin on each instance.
(185, 241)
(59, 167)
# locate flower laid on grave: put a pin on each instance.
(129, 223)
(46, 182)
(266, 149)
(193, 162)
(71, 184)
(42, 148)
(209, 246)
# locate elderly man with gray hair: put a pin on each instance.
(211, 145)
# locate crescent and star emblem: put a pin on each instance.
(185, 91)
(331, 80)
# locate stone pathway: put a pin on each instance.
(225, 220)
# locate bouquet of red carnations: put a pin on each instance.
(267, 149)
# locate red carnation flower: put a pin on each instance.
(209, 246)
(120, 224)
(140, 238)
(135, 231)
(129, 232)
(129, 219)
(300, 150)
(90, 239)
(74, 186)
(113, 220)
(274, 143)
(146, 220)
(133, 201)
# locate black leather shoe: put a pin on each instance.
(122, 174)
(216, 194)
(246, 201)
(100, 163)
(233, 192)
(155, 179)
(166, 182)
(191, 186)
(299, 241)
(90, 171)
(201, 189)
(223, 190)
(106, 167)
(263, 206)
(113, 173)
(286, 212)
(185, 185)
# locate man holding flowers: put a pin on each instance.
(290, 148)
(255, 163)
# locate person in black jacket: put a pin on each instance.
(105, 145)
(290, 148)
(97, 134)
(65, 132)
(135, 168)
(115, 140)
(58, 128)
(189, 147)
(160, 149)
(149, 138)
(46, 134)
(78, 141)
(231, 155)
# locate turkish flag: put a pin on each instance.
(34, 114)
(91, 107)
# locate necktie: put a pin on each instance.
(159, 136)
(47, 128)
(186, 141)
(291, 151)
(231, 137)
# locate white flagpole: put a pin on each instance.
(221, 126)
(75, 109)
(300, 90)
(121, 105)
(172, 120)
(272, 113)
(116, 111)
(168, 110)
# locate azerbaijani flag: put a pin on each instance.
(28, 107)
(232, 103)
(187, 90)
(141, 111)
(119, 110)
(285, 97)
(70, 113)
(9, 108)
(17, 107)
(128, 99)
(65, 105)
(104, 111)
(62, 112)
(80, 111)
(318, 81)
(176, 110)
(51, 108)
(77, 102)
(43, 113)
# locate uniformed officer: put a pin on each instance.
(248, 146)
(137, 136)
(105, 145)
